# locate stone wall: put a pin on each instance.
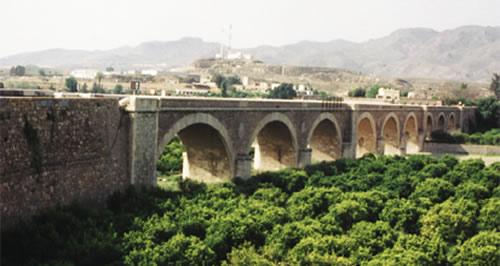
(55, 152)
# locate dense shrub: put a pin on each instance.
(490, 137)
(415, 210)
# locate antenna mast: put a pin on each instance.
(229, 38)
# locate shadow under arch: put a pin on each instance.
(441, 122)
(366, 135)
(391, 134)
(452, 124)
(325, 138)
(410, 134)
(275, 144)
(209, 156)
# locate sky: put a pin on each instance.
(31, 25)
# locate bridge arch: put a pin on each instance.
(366, 141)
(325, 138)
(209, 154)
(391, 134)
(410, 133)
(441, 122)
(452, 122)
(275, 144)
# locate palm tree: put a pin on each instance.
(99, 78)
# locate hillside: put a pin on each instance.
(469, 53)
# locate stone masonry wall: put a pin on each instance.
(55, 152)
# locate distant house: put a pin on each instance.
(388, 94)
(149, 72)
(84, 73)
(254, 85)
(205, 79)
(303, 90)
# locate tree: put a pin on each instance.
(481, 249)
(97, 88)
(99, 76)
(283, 91)
(1, 85)
(18, 71)
(118, 89)
(41, 72)
(401, 214)
(453, 220)
(495, 85)
(358, 92)
(71, 84)
(373, 91)
(226, 84)
(489, 111)
(84, 88)
(110, 69)
(464, 86)
(170, 161)
(488, 217)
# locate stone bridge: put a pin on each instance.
(226, 138)
(55, 151)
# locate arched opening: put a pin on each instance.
(411, 135)
(428, 127)
(202, 147)
(390, 134)
(451, 122)
(274, 147)
(325, 142)
(441, 122)
(367, 140)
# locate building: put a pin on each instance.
(388, 94)
(149, 72)
(84, 73)
(303, 90)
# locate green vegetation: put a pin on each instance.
(488, 115)
(417, 210)
(358, 92)
(170, 161)
(495, 85)
(370, 92)
(226, 83)
(18, 71)
(71, 84)
(490, 137)
(118, 89)
(373, 91)
(283, 91)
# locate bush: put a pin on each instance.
(376, 210)
(453, 220)
(481, 249)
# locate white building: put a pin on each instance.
(388, 94)
(303, 90)
(84, 73)
(149, 72)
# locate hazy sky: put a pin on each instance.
(29, 25)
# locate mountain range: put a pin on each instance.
(469, 53)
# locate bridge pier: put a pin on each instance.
(305, 156)
(143, 114)
(243, 168)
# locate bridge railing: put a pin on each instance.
(332, 102)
